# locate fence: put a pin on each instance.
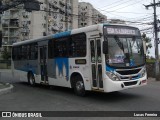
(151, 69)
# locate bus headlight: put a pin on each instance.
(112, 76)
(143, 72)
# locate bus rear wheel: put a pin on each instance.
(79, 88)
(31, 79)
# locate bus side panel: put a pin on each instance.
(23, 67)
(82, 69)
(58, 72)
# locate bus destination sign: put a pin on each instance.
(121, 31)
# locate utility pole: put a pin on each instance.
(156, 38)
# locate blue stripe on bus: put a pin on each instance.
(62, 34)
(27, 69)
(61, 63)
(109, 69)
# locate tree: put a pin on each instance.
(6, 55)
(147, 41)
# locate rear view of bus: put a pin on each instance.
(124, 58)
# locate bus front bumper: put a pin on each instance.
(111, 86)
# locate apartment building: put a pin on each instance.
(61, 15)
(88, 15)
(10, 27)
(54, 16)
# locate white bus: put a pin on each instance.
(100, 57)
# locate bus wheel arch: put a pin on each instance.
(77, 83)
(31, 78)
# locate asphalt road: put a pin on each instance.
(42, 98)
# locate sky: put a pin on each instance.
(132, 11)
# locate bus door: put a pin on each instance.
(43, 63)
(96, 63)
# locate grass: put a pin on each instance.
(150, 60)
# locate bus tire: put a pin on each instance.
(79, 88)
(31, 79)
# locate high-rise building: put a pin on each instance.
(88, 15)
(10, 27)
(54, 16)
(61, 15)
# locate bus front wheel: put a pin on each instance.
(79, 88)
(31, 79)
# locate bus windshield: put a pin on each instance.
(124, 51)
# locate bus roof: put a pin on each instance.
(65, 34)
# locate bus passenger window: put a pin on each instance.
(78, 45)
(92, 51)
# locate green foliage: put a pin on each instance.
(148, 42)
(150, 60)
(6, 55)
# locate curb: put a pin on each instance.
(6, 90)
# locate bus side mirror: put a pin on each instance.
(105, 47)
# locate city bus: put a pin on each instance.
(100, 57)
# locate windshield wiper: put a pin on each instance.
(120, 44)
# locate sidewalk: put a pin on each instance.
(5, 87)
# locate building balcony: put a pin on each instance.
(25, 30)
(5, 34)
(24, 23)
(14, 26)
(8, 43)
(62, 10)
(69, 6)
(5, 24)
(6, 17)
(69, 12)
(4, 42)
(55, 7)
(53, 2)
(25, 15)
(14, 17)
(54, 28)
(14, 9)
(62, 3)
(70, 20)
(15, 35)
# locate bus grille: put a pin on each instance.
(129, 72)
(130, 78)
(130, 83)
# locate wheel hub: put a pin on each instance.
(79, 85)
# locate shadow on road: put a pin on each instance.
(113, 96)
(98, 96)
